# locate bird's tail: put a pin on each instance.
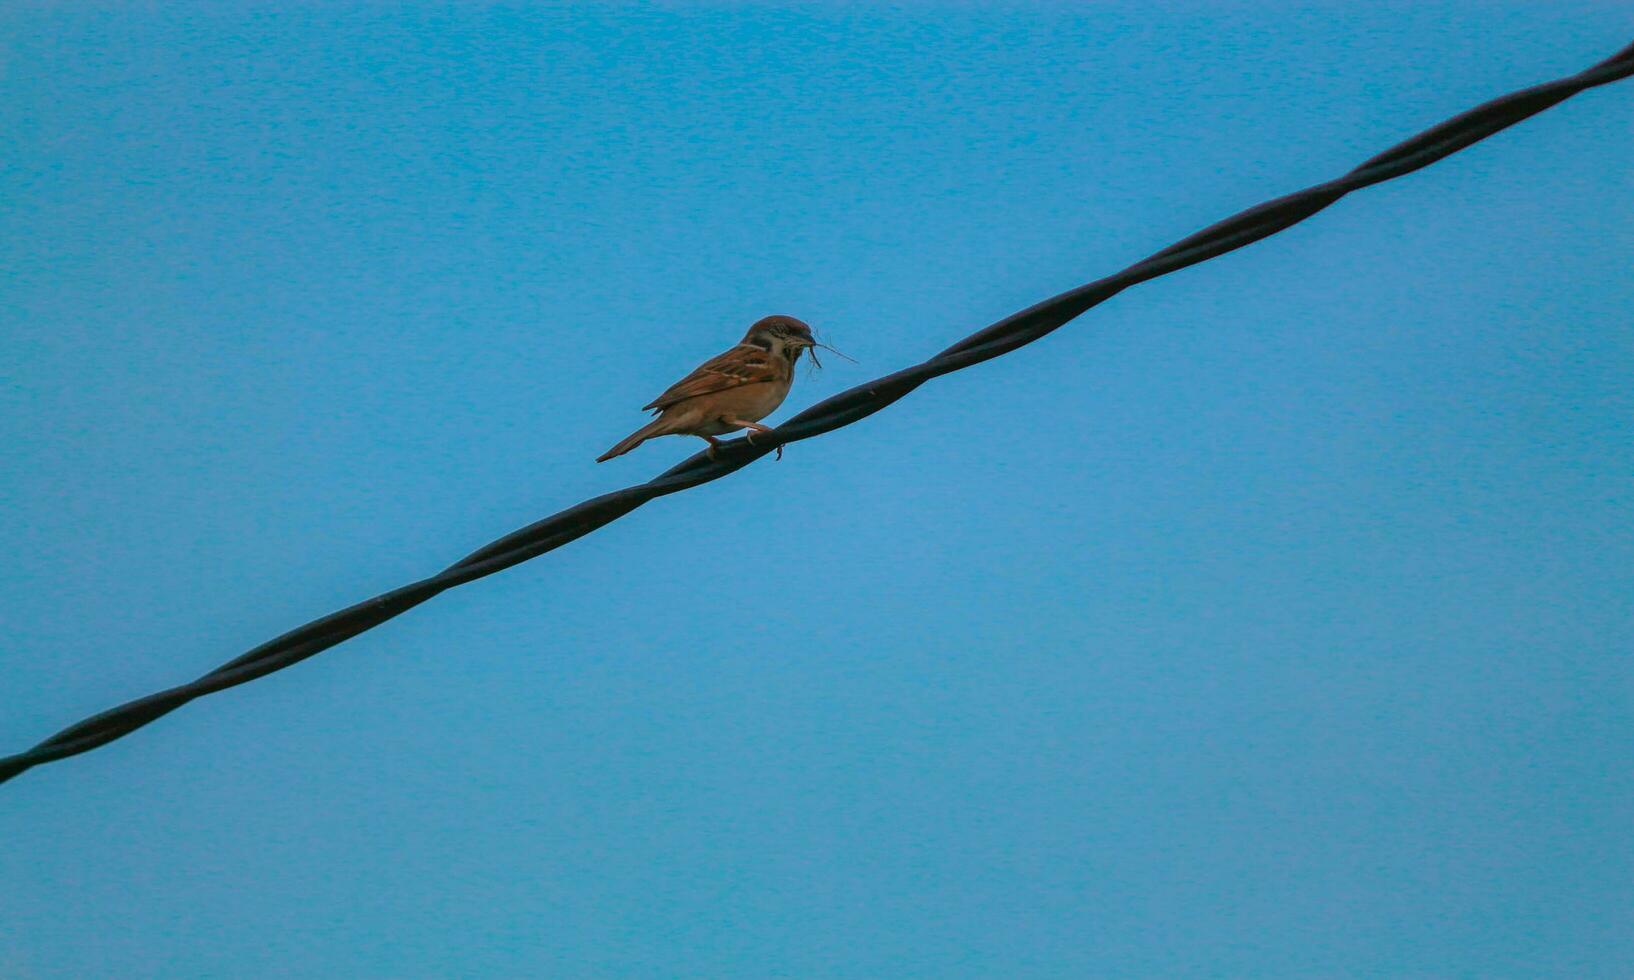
(657, 427)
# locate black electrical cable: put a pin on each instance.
(843, 409)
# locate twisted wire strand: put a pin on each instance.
(832, 413)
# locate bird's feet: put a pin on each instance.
(749, 437)
(753, 428)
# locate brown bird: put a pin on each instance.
(730, 391)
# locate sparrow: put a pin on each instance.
(730, 391)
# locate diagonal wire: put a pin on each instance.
(841, 410)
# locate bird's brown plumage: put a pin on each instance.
(730, 391)
(742, 365)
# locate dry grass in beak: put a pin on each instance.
(813, 350)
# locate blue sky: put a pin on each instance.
(1272, 620)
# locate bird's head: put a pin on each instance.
(780, 334)
(787, 336)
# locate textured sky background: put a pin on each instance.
(1273, 620)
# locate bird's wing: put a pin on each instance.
(742, 365)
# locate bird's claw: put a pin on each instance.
(749, 437)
